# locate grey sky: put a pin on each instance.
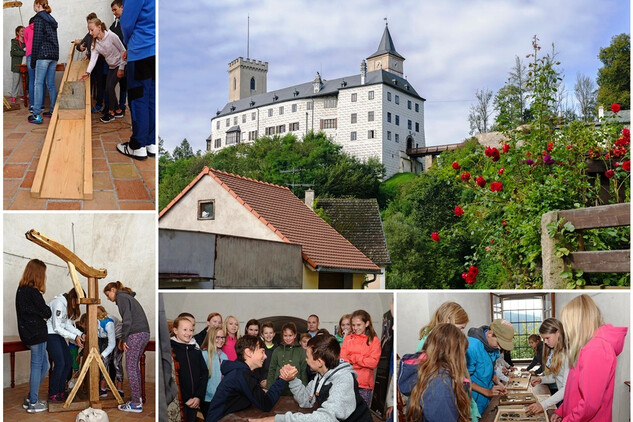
(452, 48)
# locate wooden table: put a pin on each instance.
(13, 344)
(491, 411)
(24, 70)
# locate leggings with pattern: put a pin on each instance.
(136, 345)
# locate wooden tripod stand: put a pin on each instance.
(93, 363)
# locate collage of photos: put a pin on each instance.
(366, 211)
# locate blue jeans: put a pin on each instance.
(44, 74)
(39, 368)
(141, 93)
(59, 352)
(31, 80)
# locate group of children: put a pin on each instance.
(222, 371)
(452, 377)
(50, 327)
(126, 50)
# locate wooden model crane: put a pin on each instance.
(92, 357)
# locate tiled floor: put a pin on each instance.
(120, 183)
(13, 411)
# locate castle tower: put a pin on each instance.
(386, 57)
(247, 77)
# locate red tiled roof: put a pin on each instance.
(288, 217)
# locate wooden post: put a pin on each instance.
(92, 343)
(553, 266)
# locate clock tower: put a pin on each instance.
(386, 57)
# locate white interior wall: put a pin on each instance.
(69, 14)
(124, 244)
(244, 306)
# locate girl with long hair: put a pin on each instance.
(193, 372)
(288, 352)
(213, 356)
(448, 312)
(32, 313)
(232, 331)
(362, 349)
(134, 338)
(18, 50)
(593, 350)
(44, 56)
(442, 393)
(344, 328)
(556, 363)
(214, 319)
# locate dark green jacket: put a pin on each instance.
(294, 355)
(18, 50)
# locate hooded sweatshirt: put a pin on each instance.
(589, 389)
(363, 357)
(480, 358)
(45, 44)
(239, 389)
(340, 389)
(59, 323)
(284, 354)
(133, 317)
(138, 23)
(193, 372)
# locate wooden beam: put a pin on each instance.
(73, 277)
(618, 261)
(92, 341)
(599, 217)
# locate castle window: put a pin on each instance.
(217, 124)
(409, 104)
(370, 95)
(353, 117)
(417, 107)
(252, 135)
(234, 84)
(397, 99)
(292, 127)
(252, 84)
(228, 121)
(389, 135)
(354, 95)
(235, 120)
(352, 136)
(270, 112)
(371, 134)
(232, 138)
(309, 105)
(206, 209)
(253, 115)
(388, 96)
(328, 123)
(243, 118)
(294, 108)
(281, 110)
(218, 143)
(370, 116)
(397, 138)
(397, 120)
(417, 126)
(281, 128)
(388, 117)
(329, 103)
(270, 130)
(409, 124)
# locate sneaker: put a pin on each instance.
(103, 392)
(36, 119)
(119, 114)
(130, 407)
(137, 154)
(39, 406)
(151, 150)
(13, 100)
(96, 109)
(107, 118)
(26, 403)
(47, 114)
(30, 109)
(55, 398)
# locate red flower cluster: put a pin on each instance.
(609, 173)
(594, 154)
(626, 166)
(481, 182)
(435, 236)
(459, 211)
(501, 170)
(465, 176)
(550, 146)
(496, 186)
(505, 148)
(615, 107)
(456, 165)
(626, 133)
(471, 276)
(492, 153)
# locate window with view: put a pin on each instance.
(370, 95)
(206, 209)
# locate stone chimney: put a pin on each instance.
(309, 198)
(363, 72)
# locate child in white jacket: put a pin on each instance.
(64, 309)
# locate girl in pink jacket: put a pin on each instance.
(362, 349)
(593, 350)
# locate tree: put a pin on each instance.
(511, 101)
(585, 91)
(518, 79)
(183, 150)
(614, 78)
(480, 113)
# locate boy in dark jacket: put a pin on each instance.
(240, 387)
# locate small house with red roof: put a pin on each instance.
(227, 204)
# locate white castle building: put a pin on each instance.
(376, 113)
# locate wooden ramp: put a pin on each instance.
(65, 167)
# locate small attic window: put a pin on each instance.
(206, 209)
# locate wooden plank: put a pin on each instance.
(64, 173)
(618, 261)
(599, 217)
(73, 277)
(72, 114)
(92, 341)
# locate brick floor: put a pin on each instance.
(119, 182)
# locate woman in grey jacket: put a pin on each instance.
(134, 338)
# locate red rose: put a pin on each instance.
(616, 164)
(626, 166)
(465, 176)
(626, 133)
(481, 182)
(505, 148)
(609, 173)
(550, 146)
(492, 153)
(569, 147)
(459, 211)
(615, 107)
(501, 170)
(456, 165)
(504, 223)
(468, 278)
(473, 270)
(496, 186)
(435, 237)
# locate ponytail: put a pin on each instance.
(44, 4)
(97, 22)
(118, 286)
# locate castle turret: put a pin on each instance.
(386, 57)
(247, 77)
